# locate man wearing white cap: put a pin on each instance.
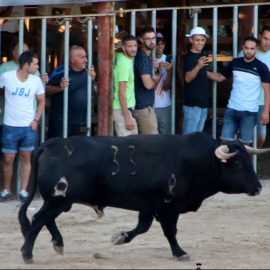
(196, 97)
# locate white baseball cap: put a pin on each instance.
(197, 31)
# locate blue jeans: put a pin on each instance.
(245, 121)
(194, 119)
(261, 130)
(14, 138)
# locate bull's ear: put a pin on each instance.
(222, 152)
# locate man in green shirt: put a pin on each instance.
(124, 92)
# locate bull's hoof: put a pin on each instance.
(184, 258)
(58, 249)
(119, 238)
(27, 259)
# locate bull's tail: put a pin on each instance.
(23, 219)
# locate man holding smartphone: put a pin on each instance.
(162, 89)
(196, 97)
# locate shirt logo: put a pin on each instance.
(21, 92)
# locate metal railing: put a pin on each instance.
(43, 61)
(174, 16)
(196, 22)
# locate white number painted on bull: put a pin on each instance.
(171, 185)
(131, 160)
(114, 159)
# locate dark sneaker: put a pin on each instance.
(5, 196)
(23, 195)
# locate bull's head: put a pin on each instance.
(238, 173)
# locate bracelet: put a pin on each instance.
(36, 121)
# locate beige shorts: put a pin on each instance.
(146, 121)
(120, 124)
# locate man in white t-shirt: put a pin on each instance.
(249, 76)
(162, 89)
(14, 65)
(20, 119)
(263, 54)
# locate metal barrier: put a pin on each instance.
(196, 21)
(89, 19)
(66, 21)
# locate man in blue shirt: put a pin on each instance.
(145, 83)
(249, 75)
(77, 94)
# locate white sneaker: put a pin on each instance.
(23, 195)
(5, 195)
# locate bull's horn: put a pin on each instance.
(254, 151)
(222, 152)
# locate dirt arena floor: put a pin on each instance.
(228, 231)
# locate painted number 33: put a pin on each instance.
(21, 92)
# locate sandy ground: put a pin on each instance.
(228, 231)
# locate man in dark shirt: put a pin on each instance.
(145, 83)
(196, 97)
(77, 94)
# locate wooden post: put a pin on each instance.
(104, 37)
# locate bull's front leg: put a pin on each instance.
(57, 238)
(144, 223)
(168, 223)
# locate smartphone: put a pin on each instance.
(168, 58)
(205, 53)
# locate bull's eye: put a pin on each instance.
(237, 163)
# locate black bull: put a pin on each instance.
(159, 176)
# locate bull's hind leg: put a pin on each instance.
(144, 223)
(168, 223)
(46, 215)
